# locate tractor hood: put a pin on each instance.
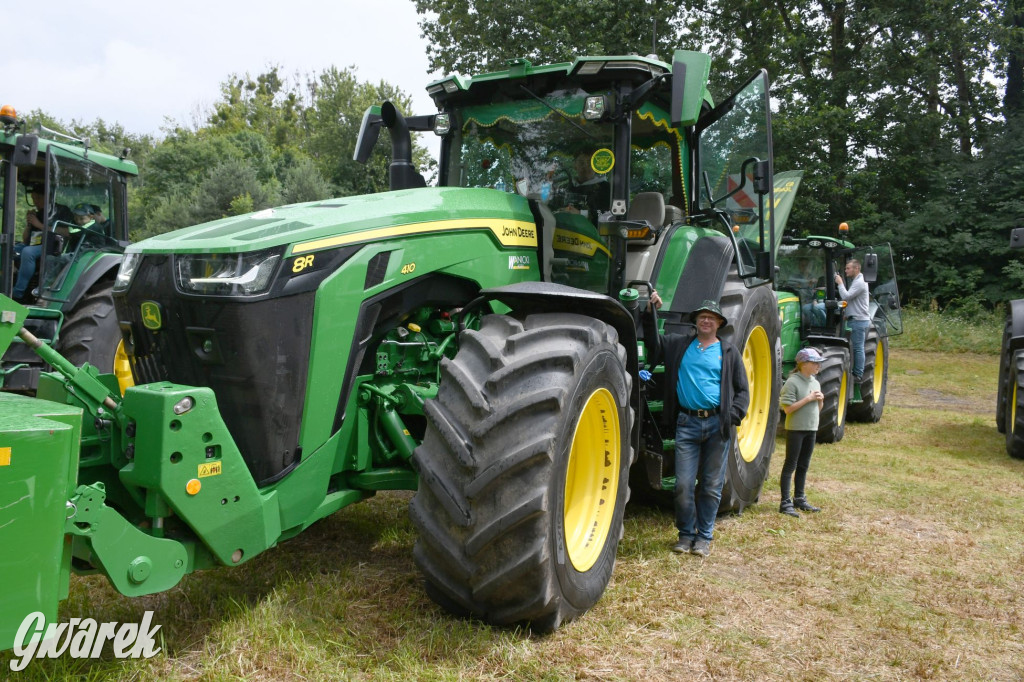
(351, 220)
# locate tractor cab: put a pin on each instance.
(612, 155)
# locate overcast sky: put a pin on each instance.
(138, 62)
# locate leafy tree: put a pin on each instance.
(303, 182)
(470, 36)
(231, 188)
(165, 213)
(334, 118)
(267, 105)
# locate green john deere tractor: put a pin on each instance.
(475, 342)
(81, 195)
(812, 315)
(1010, 392)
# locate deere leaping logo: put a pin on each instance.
(151, 318)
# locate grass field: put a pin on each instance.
(912, 571)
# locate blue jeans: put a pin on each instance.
(26, 267)
(858, 333)
(814, 313)
(701, 455)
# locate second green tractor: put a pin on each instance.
(811, 312)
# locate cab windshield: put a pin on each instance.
(547, 150)
(542, 150)
(83, 212)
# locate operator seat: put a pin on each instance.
(649, 206)
(642, 253)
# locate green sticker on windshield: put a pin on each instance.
(602, 161)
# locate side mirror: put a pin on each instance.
(1017, 238)
(762, 179)
(869, 268)
(369, 131)
(678, 91)
(764, 265)
(26, 149)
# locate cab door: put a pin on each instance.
(879, 272)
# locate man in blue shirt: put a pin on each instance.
(706, 390)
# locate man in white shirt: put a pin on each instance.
(856, 298)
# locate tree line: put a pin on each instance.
(907, 118)
(268, 140)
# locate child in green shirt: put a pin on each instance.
(801, 400)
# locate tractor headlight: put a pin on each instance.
(595, 107)
(226, 274)
(129, 266)
(442, 124)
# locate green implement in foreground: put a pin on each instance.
(476, 342)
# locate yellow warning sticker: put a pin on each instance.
(210, 469)
(5, 457)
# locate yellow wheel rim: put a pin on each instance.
(841, 411)
(592, 480)
(757, 359)
(1013, 406)
(122, 368)
(879, 373)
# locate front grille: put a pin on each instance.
(253, 354)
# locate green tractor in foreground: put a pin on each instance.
(475, 342)
(82, 200)
(1010, 392)
(812, 315)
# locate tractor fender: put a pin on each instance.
(544, 297)
(1017, 324)
(816, 340)
(106, 264)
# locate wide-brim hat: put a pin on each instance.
(711, 307)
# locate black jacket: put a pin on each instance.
(670, 348)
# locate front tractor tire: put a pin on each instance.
(754, 316)
(523, 470)
(875, 380)
(1014, 408)
(1006, 376)
(834, 378)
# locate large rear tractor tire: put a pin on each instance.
(1005, 376)
(875, 380)
(1014, 418)
(523, 470)
(834, 377)
(754, 330)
